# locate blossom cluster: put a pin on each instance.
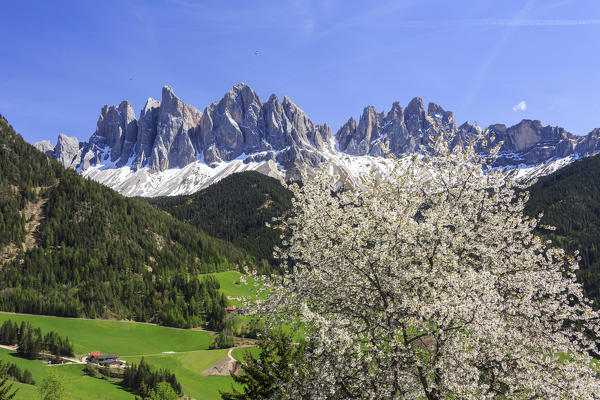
(429, 282)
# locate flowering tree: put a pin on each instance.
(429, 283)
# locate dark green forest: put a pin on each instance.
(570, 201)
(235, 209)
(99, 254)
(22, 169)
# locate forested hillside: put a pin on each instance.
(72, 247)
(235, 209)
(570, 201)
(22, 170)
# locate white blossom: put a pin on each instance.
(430, 283)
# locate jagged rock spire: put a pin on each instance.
(171, 134)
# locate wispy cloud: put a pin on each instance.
(482, 73)
(522, 106)
(469, 23)
(483, 22)
(537, 22)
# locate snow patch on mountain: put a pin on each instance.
(146, 182)
(351, 170)
(528, 173)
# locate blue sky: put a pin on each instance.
(488, 61)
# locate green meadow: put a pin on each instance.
(78, 386)
(240, 352)
(183, 351)
(232, 287)
(120, 337)
(188, 368)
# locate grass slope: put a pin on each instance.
(131, 341)
(230, 286)
(78, 385)
(122, 338)
(239, 353)
(188, 368)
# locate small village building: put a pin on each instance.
(102, 359)
(111, 363)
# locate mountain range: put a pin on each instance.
(173, 148)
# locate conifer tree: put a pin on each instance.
(6, 389)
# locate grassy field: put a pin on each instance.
(130, 341)
(79, 386)
(122, 338)
(239, 353)
(231, 286)
(184, 352)
(188, 367)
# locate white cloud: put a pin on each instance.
(522, 106)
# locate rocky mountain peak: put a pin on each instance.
(415, 107)
(239, 87)
(398, 131)
(396, 112)
(172, 134)
(443, 120)
(522, 136)
(402, 131)
(116, 133)
(146, 134)
(248, 95)
(170, 104)
(242, 104)
(176, 126)
(150, 104)
(497, 128)
(273, 99)
(45, 147)
(240, 128)
(433, 109)
(346, 133)
(414, 115)
(67, 150)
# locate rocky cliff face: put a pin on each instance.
(146, 135)
(278, 137)
(175, 127)
(172, 134)
(67, 151)
(530, 143)
(241, 125)
(400, 132)
(45, 147)
(116, 133)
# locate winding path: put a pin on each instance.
(226, 365)
(70, 360)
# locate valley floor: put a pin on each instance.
(183, 352)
